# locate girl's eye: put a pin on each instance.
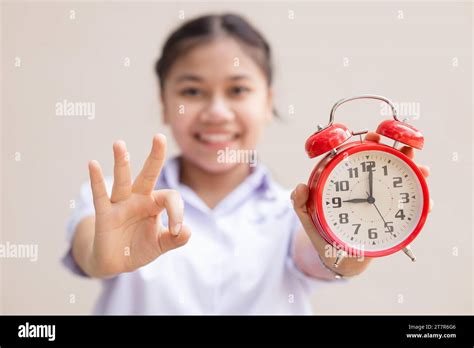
(239, 90)
(191, 92)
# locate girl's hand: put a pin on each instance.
(128, 229)
(349, 266)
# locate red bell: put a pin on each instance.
(326, 139)
(401, 132)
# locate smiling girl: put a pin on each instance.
(240, 248)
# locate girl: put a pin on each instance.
(249, 252)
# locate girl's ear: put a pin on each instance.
(269, 113)
(164, 109)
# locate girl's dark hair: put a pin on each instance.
(205, 29)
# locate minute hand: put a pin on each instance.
(371, 182)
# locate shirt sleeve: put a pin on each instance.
(84, 207)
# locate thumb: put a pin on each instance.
(299, 197)
(167, 241)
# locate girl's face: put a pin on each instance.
(216, 97)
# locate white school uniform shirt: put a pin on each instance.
(237, 261)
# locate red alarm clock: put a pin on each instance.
(366, 198)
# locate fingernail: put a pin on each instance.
(176, 229)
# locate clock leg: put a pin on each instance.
(407, 250)
(339, 257)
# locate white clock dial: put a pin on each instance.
(376, 220)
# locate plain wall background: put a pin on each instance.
(329, 50)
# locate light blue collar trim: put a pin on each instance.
(259, 181)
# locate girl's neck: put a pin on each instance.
(211, 187)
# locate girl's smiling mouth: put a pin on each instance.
(216, 139)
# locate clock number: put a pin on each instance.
(405, 198)
(389, 227)
(397, 182)
(343, 218)
(368, 166)
(373, 233)
(336, 201)
(385, 170)
(357, 228)
(353, 172)
(400, 214)
(342, 185)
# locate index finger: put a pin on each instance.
(372, 136)
(407, 150)
(145, 181)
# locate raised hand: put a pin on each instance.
(128, 230)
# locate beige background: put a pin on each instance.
(408, 59)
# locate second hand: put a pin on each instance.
(378, 211)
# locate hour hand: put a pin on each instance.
(357, 200)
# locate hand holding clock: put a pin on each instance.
(351, 266)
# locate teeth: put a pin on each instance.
(216, 138)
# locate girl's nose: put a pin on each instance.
(217, 111)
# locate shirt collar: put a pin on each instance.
(259, 181)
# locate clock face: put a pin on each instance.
(372, 200)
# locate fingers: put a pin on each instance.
(372, 136)
(172, 202)
(299, 197)
(145, 181)
(167, 241)
(425, 170)
(122, 187)
(99, 192)
(408, 151)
